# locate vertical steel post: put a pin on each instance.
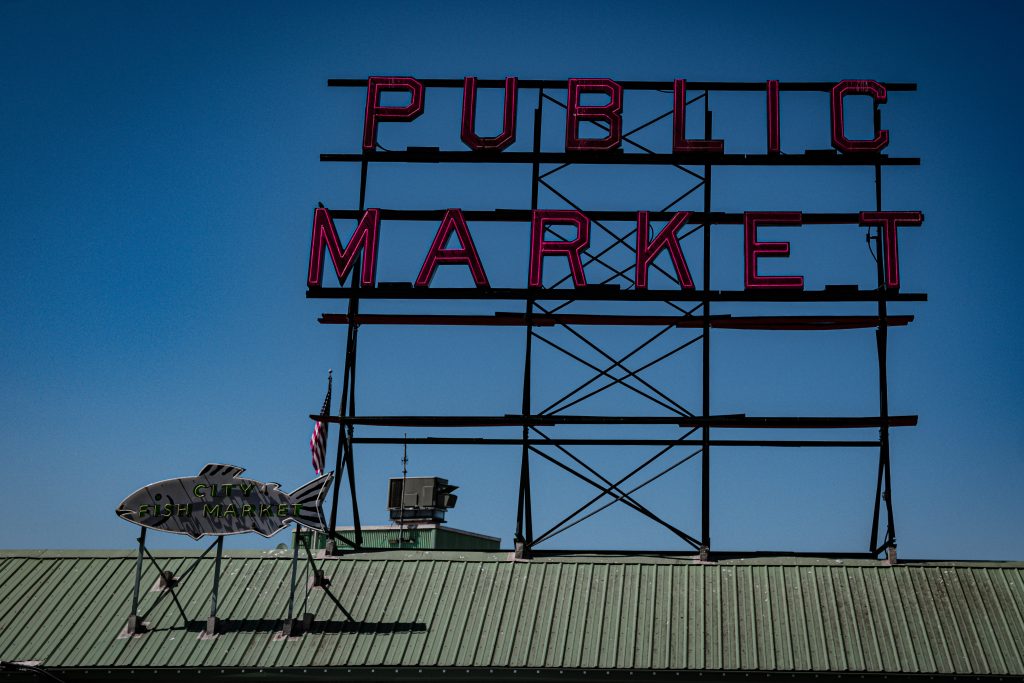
(212, 623)
(352, 384)
(351, 448)
(346, 408)
(295, 566)
(883, 487)
(705, 461)
(339, 462)
(524, 513)
(134, 625)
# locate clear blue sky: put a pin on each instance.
(158, 170)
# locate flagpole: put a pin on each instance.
(332, 541)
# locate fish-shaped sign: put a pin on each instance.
(218, 502)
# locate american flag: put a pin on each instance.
(318, 442)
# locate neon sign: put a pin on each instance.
(608, 114)
(365, 240)
(219, 502)
(362, 246)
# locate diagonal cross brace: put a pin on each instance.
(537, 335)
(631, 373)
(564, 524)
(676, 407)
(611, 488)
(638, 468)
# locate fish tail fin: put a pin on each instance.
(311, 498)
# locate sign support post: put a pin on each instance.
(704, 553)
(212, 623)
(292, 626)
(883, 492)
(135, 626)
(345, 457)
(524, 518)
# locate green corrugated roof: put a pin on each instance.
(480, 610)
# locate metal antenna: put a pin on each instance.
(401, 508)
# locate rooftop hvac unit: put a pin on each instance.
(420, 499)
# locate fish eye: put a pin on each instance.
(158, 496)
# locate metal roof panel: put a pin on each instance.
(474, 610)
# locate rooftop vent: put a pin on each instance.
(420, 499)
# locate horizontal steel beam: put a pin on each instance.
(525, 216)
(721, 421)
(726, 86)
(484, 441)
(405, 290)
(761, 322)
(432, 155)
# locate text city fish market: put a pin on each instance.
(215, 491)
(365, 238)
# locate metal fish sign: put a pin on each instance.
(218, 502)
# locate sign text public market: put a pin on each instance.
(365, 238)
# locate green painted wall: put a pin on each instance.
(414, 539)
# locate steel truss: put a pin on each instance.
(691, 310)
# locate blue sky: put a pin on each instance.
(158, 171)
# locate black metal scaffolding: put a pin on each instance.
(691, 310)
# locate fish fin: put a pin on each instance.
(221, 470)
(311, 497)
(193, 535)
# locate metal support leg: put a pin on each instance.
(342, 452)
(347, 408)
(213, 623)
(135, 625)
(883, 488)
(705, 461)
(292, 626)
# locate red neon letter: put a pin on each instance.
(875, 91)
(376, 113)
(679, 141)
(364, 238)
(508, 126)
(453, 221)
(773, 117)
(666, 239)
(753, 250)
(888, 221)
(610, 113)
(539, 247)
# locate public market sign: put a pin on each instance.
(362, 247)
(218, 502)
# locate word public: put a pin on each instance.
(608, 115)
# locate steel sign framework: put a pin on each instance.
(695, 310)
